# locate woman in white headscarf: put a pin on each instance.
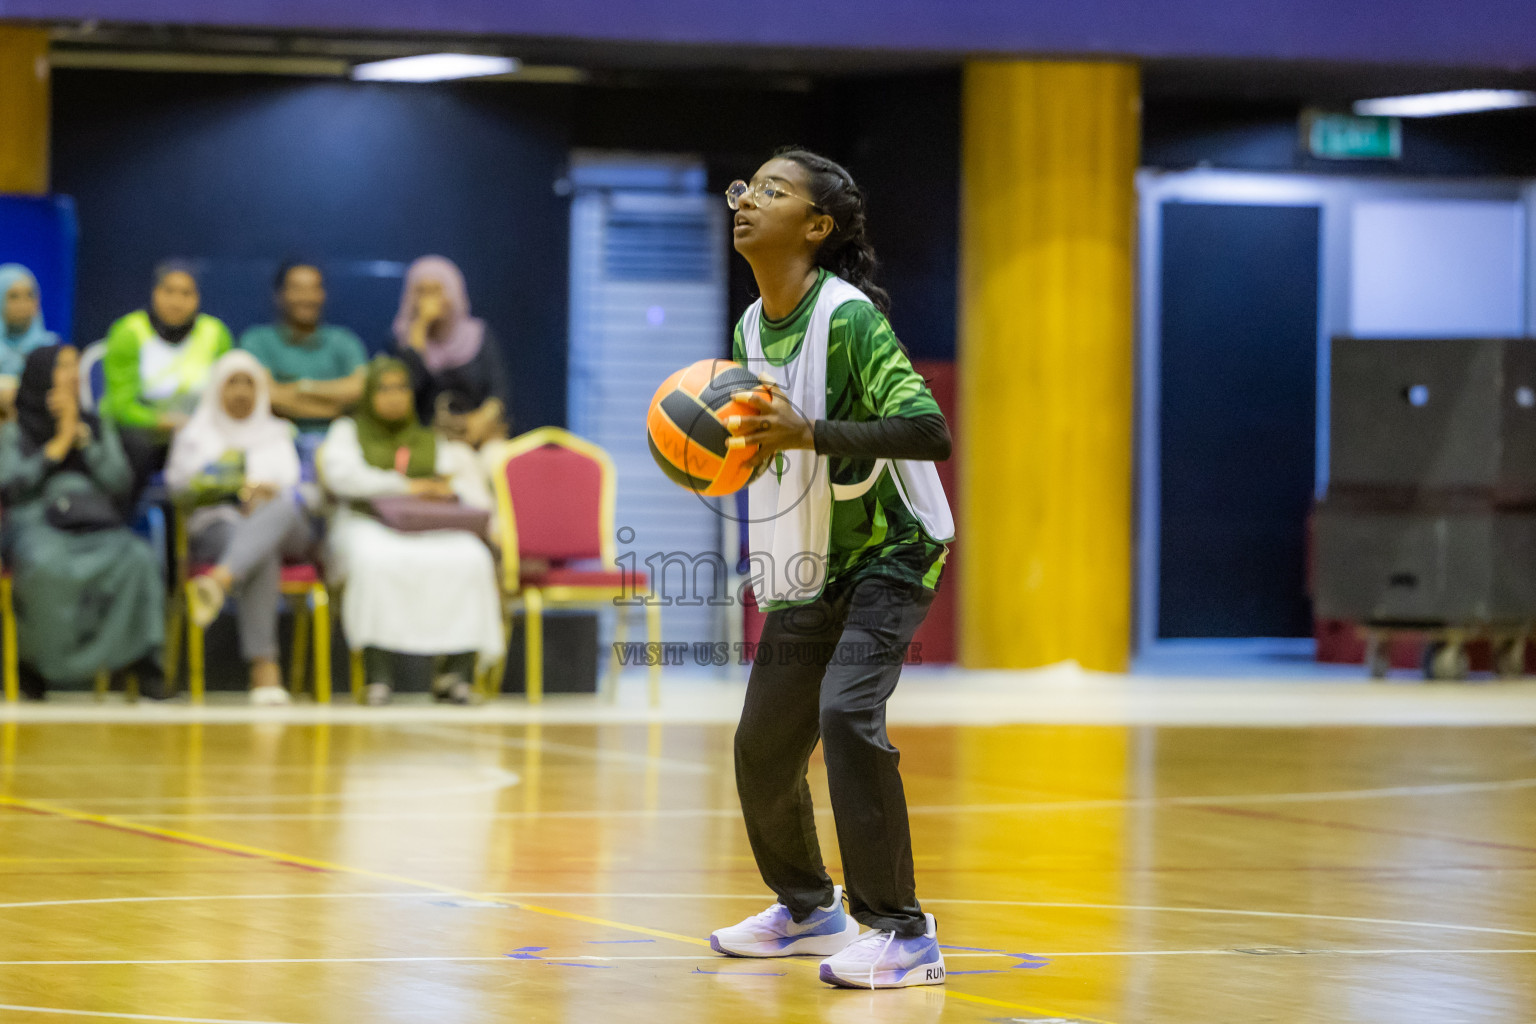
(238, 464)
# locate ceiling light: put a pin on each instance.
(1439, 104)
(434, 67)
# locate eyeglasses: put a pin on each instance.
(762, 195)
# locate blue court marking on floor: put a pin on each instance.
(531, 953)
(972, 949)
(956, 974)
(748, 974)
(1028, 961)
(527, 953)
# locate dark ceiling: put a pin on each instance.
(1302, 82)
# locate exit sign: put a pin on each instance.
(1349, 137)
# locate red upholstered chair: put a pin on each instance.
(555, 498)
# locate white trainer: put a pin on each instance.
(269, 696)
(886, 960)
(775, 932)
(207, 601)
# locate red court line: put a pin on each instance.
(163, 838)
(1240, 812)
(244, 873)
(1405, 869)
(547, 874)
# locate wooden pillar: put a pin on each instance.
(1049, 154)
(23, 110)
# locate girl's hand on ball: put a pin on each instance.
(776, 427)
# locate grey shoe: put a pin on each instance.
(452, 689)
(378, 694)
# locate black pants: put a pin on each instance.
(824, 671)
(148, 670)
(381, 666)
(146, 451)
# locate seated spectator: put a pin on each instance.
(317, 368)
(236, 463)
(23, 330)
(430, 593)
(453, 357)
(157, 363)
(89, 594)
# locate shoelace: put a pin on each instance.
(767, 916)
(889, 938)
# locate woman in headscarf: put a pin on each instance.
(430, 593)
(21, 317)
(237, 463)
(157, 364)
(89, 593)
(454, 359)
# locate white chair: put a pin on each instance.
(90, 362)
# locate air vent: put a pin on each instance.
(658, 247)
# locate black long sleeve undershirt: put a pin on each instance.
(922, 438)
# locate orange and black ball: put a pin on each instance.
(686, 426)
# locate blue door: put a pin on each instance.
(1238, 418)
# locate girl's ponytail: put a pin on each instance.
(847, 251)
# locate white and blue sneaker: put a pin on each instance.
(886, 960)
(775, 932)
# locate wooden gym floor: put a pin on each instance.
(412, 868)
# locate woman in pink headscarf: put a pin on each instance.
(454, 359)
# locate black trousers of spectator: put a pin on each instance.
(148, 670)
(146, 451)
(825, 671)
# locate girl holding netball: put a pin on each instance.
(848, 531)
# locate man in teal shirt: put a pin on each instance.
(317, 368)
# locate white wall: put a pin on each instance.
(1431, 268)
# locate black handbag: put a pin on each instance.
(82, 512)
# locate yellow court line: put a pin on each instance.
(125, 825)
